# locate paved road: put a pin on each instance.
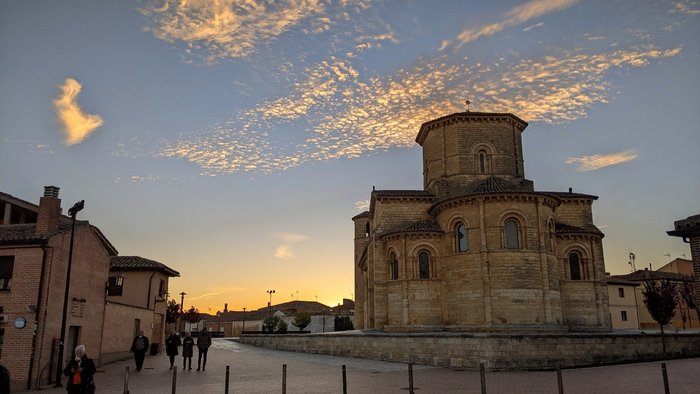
(259, 370)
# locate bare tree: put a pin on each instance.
(661, 299)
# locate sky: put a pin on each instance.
(234, 140)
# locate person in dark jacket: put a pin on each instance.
(187, 349)
(4, 380)
(171, 344)
(139, 347)
(203, 343)
(80, 372)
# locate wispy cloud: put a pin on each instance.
(230, 28)
(536, 25)
(76, 124)
(284, 251)
(346, 115)
(362, 205)
(214, 293)
(596, 162)
(520, 14)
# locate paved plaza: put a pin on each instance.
(259, 370)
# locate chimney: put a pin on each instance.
(49, 211)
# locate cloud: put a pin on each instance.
(517, 15)
(596, 162)
(209, 295)
(534, 26)
(362, 205)
(76, 124)
(284, 251)
(344, 114)
(229, 28)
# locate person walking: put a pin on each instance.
(171, 344)
(203, 343)
(187, 348)
(80, 372)
(139, 347)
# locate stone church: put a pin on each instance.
(478, 249)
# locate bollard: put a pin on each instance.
(345, 382)
(665, 375)
(560, 382)
(410, 378)
(284, 378)
(483, 378)
(227, 372)
(126, 380)
(174, 378)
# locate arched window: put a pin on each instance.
(367, 229)
(393, 266)
(461, 238)
(482, 161)
(575, 266)
(424, 264)
(511, 233)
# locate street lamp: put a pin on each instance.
(73, 212)
(182, 310)
(269, 304)
(243, 329)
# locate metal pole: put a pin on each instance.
(284, 378)
(482, 372)
(410, 378)
(73, 212)
(345, 382)
(174, 379)
(227, 372)
(560, 382)
(665, 375)
(126, 380)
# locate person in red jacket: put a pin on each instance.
(80, 372)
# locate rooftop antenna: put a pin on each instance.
(467, 102)
(668, 255)
(631, 262)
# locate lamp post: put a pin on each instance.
(269, 304)
(243, 329)
(182, 310)
(73, 212)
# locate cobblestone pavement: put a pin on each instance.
(259, 370)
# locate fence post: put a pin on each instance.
(410, 378)
(126, 380)
(227, 373)
(174, 378)
(665, 375)
(284, 378)
(482, 372)
(560, 382)
(345, 381)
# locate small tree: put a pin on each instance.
(301, 320)
(172, 311)
(282, 327)
(661, 299)
(687, 294)
(342, 323)
(192, 315)
(270, 323)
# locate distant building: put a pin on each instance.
(623, 303)
(683, 318)
(478, 249)
(34, 248)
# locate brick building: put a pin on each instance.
(689, 230)
(478, 249)
(34, 249)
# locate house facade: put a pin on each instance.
(137, 291)
(478, 248)
(34, 255)
(623, 303)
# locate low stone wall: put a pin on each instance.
(496, 351)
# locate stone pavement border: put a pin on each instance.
(259, 370)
